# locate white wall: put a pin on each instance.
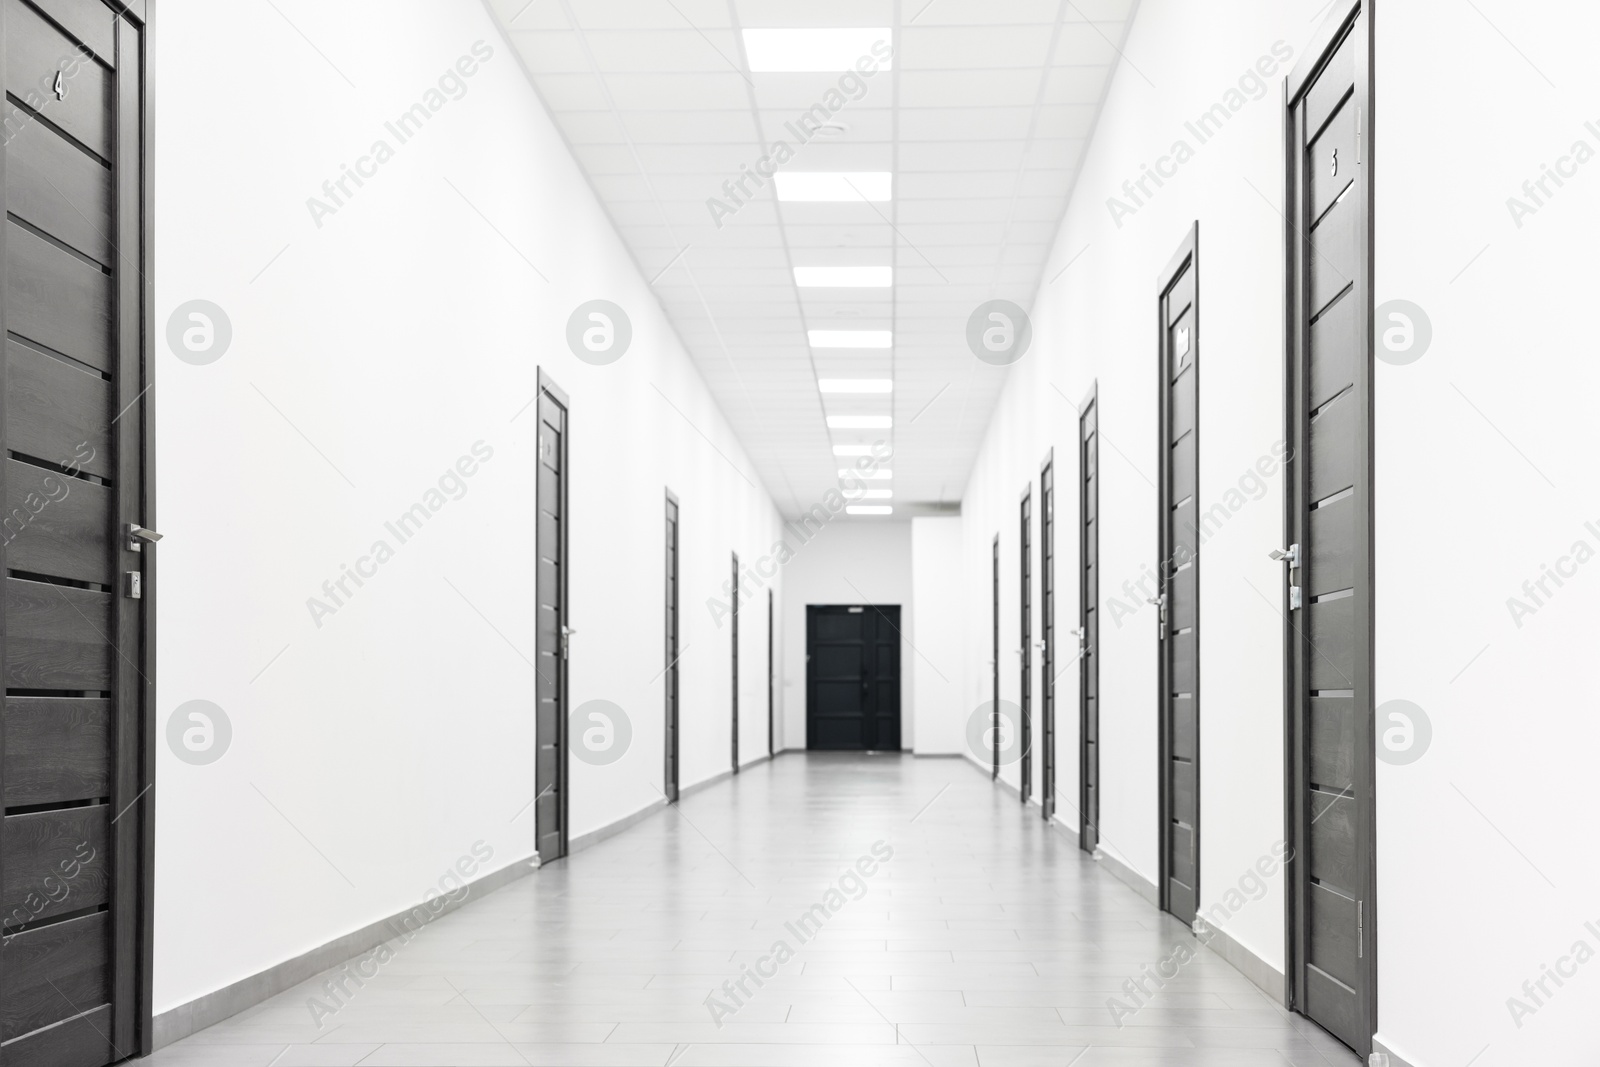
(1094, 321)
(849, 561)
(370, 753)
(1480, 885)
(937, 691)
(1485, 870)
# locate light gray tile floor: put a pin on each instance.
(987, 940)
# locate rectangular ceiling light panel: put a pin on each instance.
(828, 50)
(855, 385)
(851, 338)
(835, 187)
(844, 277)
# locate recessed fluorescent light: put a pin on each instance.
(829, 51)
(855, 450)
(860, 422)
(834, 187)
(855, 385)
(867, 476)
(851, 338)
(861, 492)
(844, 277)
(868, 509)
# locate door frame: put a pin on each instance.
(994, 668)
(771, 667)
(1187, 257)
(735, 694)
(547, 386)
(132, 873)
(673, 514)
(136, 300)
(1047, 631)
(1348, 18)
(1085, 663)
(1024, 642)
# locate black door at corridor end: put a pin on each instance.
(853, 677)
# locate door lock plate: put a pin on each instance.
(133, 586)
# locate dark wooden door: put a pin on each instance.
(1088, 631)
(1025, 645)
(1329, 577)
(78, 639)
(853, 677)
(736, 663)
(550, 810)
(995, 720)
(1178, 605)
(1047, 635)
(670, 672)
(883, 680)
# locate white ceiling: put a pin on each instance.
(981, 121)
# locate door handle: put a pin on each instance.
(1161, 612)
(1291, 557)
(138, 537)
(566, 641)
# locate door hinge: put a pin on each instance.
(1358, 137)
(1361, 933)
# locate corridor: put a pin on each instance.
(803, 532)
(986, 940)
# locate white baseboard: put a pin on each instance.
(612, 829)
(1266, 977)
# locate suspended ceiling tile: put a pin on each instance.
(982, 125)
